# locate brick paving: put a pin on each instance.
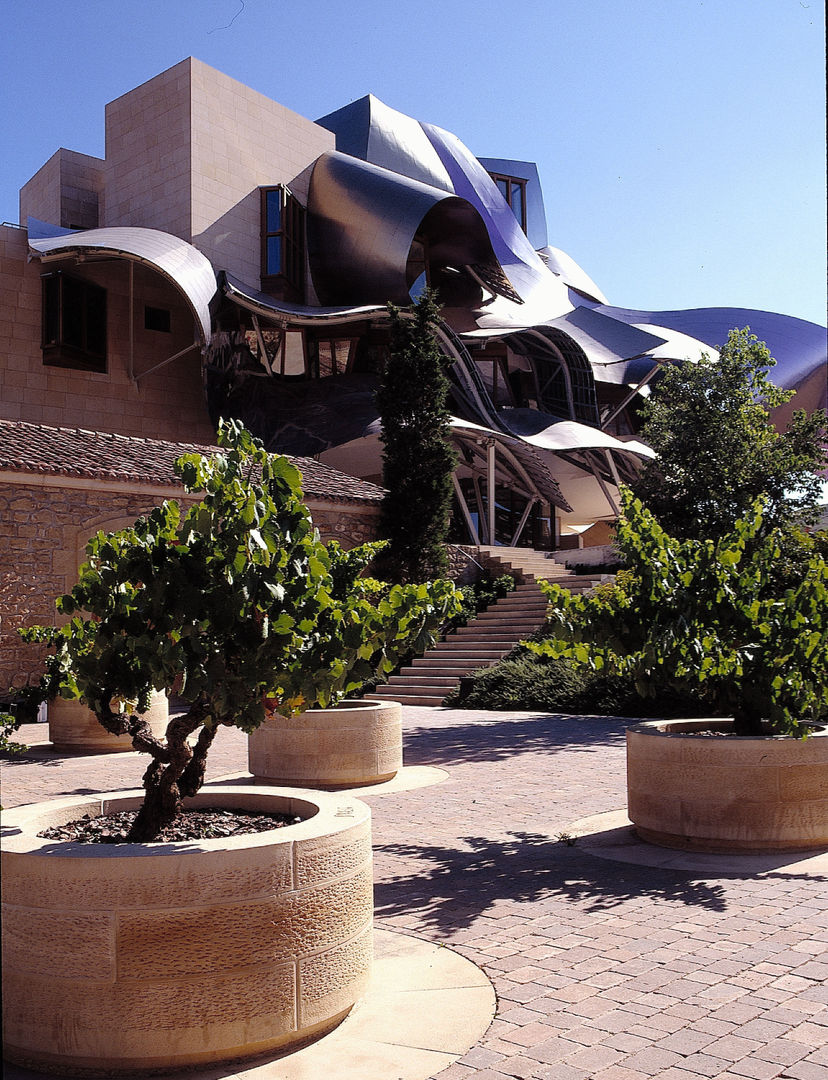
(603, 970)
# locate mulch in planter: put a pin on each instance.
(189, 825)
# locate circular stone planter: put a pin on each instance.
(75, 728)
(352, 745)
(726, 792)
(126, 958)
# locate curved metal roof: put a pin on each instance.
(798, 346)
(181, 263)
(298, 314)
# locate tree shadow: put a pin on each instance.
(449, 888)
(496, 740)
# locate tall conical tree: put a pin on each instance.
(418, 458)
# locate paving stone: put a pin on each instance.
(603, 970)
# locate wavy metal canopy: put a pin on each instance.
(179, 262)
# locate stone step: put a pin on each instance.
(484, 640)
(407, 699)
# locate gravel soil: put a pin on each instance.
(189, 825)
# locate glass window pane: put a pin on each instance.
(274, 254)
(96, 321)
(517, 201)
(274, 211)
(504, 188)
(342, 351)
(294, 353)
(73, 313)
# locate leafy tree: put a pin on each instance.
(718, 450)
(418, 458)
(694, 615)
(231, 605)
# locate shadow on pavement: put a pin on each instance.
(494, 740)
(449, 888)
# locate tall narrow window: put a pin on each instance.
(513, 190)
(283, 243)
(74, 323)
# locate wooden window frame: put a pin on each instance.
(512, 182)
(290, 276)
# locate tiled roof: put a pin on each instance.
(57, 451)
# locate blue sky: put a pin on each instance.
(681, 144)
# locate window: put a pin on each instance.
(283, 241)
(156, 318)
(74, 323)
(513, 191)
(331, 357)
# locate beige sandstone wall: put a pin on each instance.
(168, 404)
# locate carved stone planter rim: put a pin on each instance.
(22, 823)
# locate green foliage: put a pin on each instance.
(695, 616)
(8, 725)
(418, 459)
(236, 606)
(525, 681)
(718, 451)
(480, 595)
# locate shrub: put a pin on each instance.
(236, 606)
(695, 616)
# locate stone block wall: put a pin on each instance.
(100, 401)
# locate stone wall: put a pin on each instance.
(44, 528)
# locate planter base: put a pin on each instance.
(75, 729)
(132, 958)
(355, 744)
(726, 793)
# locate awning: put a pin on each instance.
(182, 264)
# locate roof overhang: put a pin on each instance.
(180, 263)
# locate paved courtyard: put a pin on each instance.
(604, 969)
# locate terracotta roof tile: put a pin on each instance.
(58, 451)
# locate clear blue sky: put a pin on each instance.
(681, 143)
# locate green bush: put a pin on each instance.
(480, 595)
(697, 617)
(525, 682)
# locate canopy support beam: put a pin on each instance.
(464, 506)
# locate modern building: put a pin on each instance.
(230, 257)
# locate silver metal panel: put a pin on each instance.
(798, 346)
(565, 267)
(530, 458)
(362, 221)
(568, 435)
(608, 343)
(182, 264)
(297, 314)
(373, 131)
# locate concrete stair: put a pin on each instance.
(489, 637)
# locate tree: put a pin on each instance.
(694, 615)
(231, 605)
(418, 459)
(709, 423)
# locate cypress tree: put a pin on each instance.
(418, 458)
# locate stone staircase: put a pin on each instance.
(490, 636)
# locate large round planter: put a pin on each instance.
(725, 792)
(133, 957)
(75, 728)
(352, 745)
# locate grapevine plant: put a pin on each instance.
(697, 615)
(236, 606)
